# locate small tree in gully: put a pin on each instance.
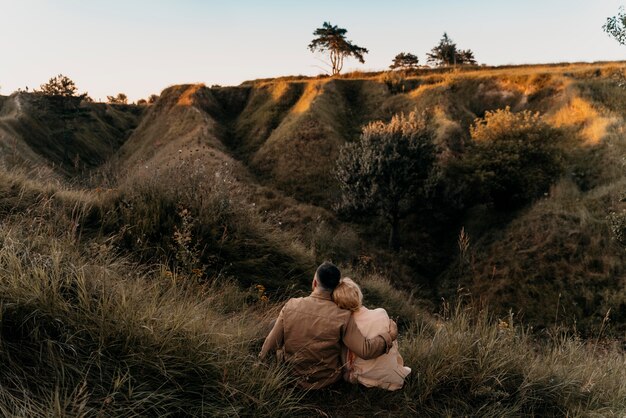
(386, 169)
(404, 61)
(332, 39)
(615, 26)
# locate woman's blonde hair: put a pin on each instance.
(348, 295)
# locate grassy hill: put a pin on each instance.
(64, 134)
(134, 238)
(279, 138)
(87, 332)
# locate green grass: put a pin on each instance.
(265, 109)
(556, 263)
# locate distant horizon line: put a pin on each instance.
(425, 68)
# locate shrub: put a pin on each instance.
(386, 169)
(121, 98)
(60, 85)
(513, 157)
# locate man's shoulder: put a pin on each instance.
(293, 301)
(316, 306)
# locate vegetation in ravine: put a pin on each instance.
(145, 286)
(86, 331)
(386, 170)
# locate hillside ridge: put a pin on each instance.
(276, 142)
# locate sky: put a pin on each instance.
(140, 47)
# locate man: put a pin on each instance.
(311, 332)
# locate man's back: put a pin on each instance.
(314, 327)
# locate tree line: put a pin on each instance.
(331, 39)
(63, 86)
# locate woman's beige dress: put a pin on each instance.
(387, 371)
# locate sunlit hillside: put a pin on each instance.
(276, 143)
(145, 249)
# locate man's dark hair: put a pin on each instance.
(328, 275)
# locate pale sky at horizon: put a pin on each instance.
(139, 47)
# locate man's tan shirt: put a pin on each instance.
(311, 331)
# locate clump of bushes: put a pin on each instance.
(513, 158)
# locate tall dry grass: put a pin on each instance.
(197, 217)
(85, 331)
(468, 362)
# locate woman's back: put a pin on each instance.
(386, 371)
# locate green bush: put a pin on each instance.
(513, 158)
(386, 169)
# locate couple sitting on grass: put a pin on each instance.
(330, 334)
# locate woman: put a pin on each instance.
(387, 371)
